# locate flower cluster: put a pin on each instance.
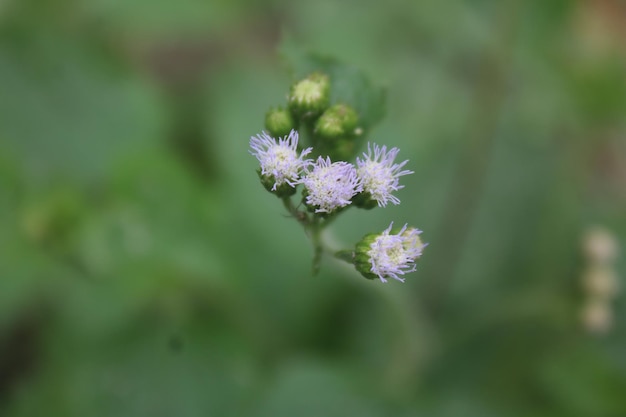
(330, 184)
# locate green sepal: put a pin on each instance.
(364, 200)
(361, 260)
(322, 215)
(282, 191)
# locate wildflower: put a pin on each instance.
(388, 254)
(379, 175)
(280, 163)
(330, 185)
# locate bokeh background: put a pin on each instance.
(144, 271)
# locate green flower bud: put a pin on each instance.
(338, 121)
(310, 96)
(279, 122)
(390, 254)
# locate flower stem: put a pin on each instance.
(346, 255)
(300, 216)
(318, 248)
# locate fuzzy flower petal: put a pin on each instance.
(280, 160)
(392, 255)
(379, 175)
(330, 186)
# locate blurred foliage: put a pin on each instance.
(145, 272)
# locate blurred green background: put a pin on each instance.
(144, 271)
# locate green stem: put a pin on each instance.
(313, 226)
(300, 216)
(346, 255)
(318, 248)
(328, 220)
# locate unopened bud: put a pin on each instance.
(279, 122)
(310, 96)
(337, 122)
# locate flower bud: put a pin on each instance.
(310, 96)
(388, 254)
(380, 176)
(279, 122)
(338, 121)
(281, 166)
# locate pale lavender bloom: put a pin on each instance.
(330, 185)
(392, 255)
(280, 159)
(379, 175)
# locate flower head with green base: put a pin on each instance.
(388, 254)
(279, 160)
(380, 175)
(330, 185)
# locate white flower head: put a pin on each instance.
(393, 255)
(379, 175)
(280, 160)
(330, 186)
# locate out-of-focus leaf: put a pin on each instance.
(584, 382)
(151, 369)
(66, 115)
(311, 390)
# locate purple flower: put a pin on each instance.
(391, 255)
(330, 185)
(280, 160)
(379, 175)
